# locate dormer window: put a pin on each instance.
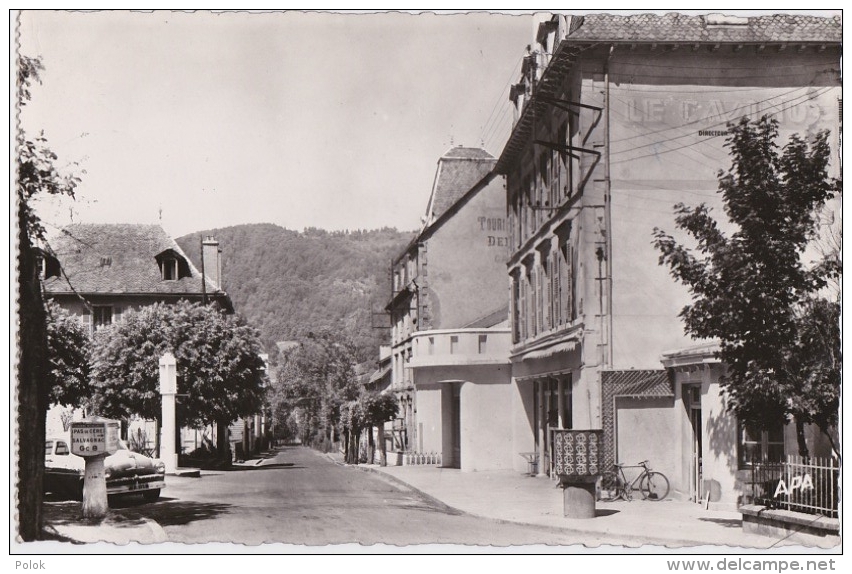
(48, 265)
(172, 265)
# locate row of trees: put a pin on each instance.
(317, 396)
(774, 312)
(115, 374)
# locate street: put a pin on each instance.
(301, 497)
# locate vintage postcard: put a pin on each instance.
(439, 282)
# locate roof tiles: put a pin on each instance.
(117, 259)
(674, 27)
(458, 171)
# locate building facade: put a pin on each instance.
(617, 119)
(99, 271)
(449, 343)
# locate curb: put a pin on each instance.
(157, 531)
(398, 481)
(627, 539)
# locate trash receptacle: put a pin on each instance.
(577, 456)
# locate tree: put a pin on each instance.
(36, 176)
(68, 347)
(316, 379)
(353, 418)
(751, 289)
(369, 410)
(380, 408)
(219, 366)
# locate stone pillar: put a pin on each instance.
(578, 498)
(542, 429)
(95, 502)
(561, 402)
(168, 390)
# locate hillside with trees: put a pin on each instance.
(288, 284)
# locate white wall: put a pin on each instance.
(523, 437)
(429, 424)
(644, 429)
(486, 425)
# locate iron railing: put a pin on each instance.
(798, 484)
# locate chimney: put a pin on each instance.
(212, 261)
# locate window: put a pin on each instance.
(566, 281)
(173, 265)
(760, 446)
(431, 345)
(454, 344)
(483, 344)
(61, 448)
(101, 316)
(169, 267)
(545, 288)
(48, 265)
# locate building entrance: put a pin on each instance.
(692, 399)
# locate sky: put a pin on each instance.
(203, 120)
(325, 120)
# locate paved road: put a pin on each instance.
(301, 497)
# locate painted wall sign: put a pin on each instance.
(674, 111)
(492, 223)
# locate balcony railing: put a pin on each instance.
(460, 346)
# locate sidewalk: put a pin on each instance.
(64, 524)
(509, 496)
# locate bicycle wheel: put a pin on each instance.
(611, 487)
(654, 486)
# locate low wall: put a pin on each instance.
(806, 529)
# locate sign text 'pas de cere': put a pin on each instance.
(94, 438)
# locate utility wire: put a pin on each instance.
(704, 141)
(512, 74)
(745, 106)
(806, 99)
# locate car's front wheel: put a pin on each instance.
(151, 495)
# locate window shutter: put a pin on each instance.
(545, 297)
(557, 292)
(86, 320)
(536, 301)
(570, 284)
(523, 308)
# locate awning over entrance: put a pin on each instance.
(564, 347)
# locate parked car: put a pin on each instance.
(127, 472)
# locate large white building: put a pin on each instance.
(618, 118)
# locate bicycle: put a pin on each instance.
(614, 484)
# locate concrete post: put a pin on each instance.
(578, 498)
(168, 390)
(95, 502)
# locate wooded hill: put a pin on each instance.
(289, 283)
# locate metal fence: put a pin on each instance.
(798, 484)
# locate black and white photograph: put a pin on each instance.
(427, 282)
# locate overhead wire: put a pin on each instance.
(814, 96)
(702, 120)
(807, 97)
(496, 106)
